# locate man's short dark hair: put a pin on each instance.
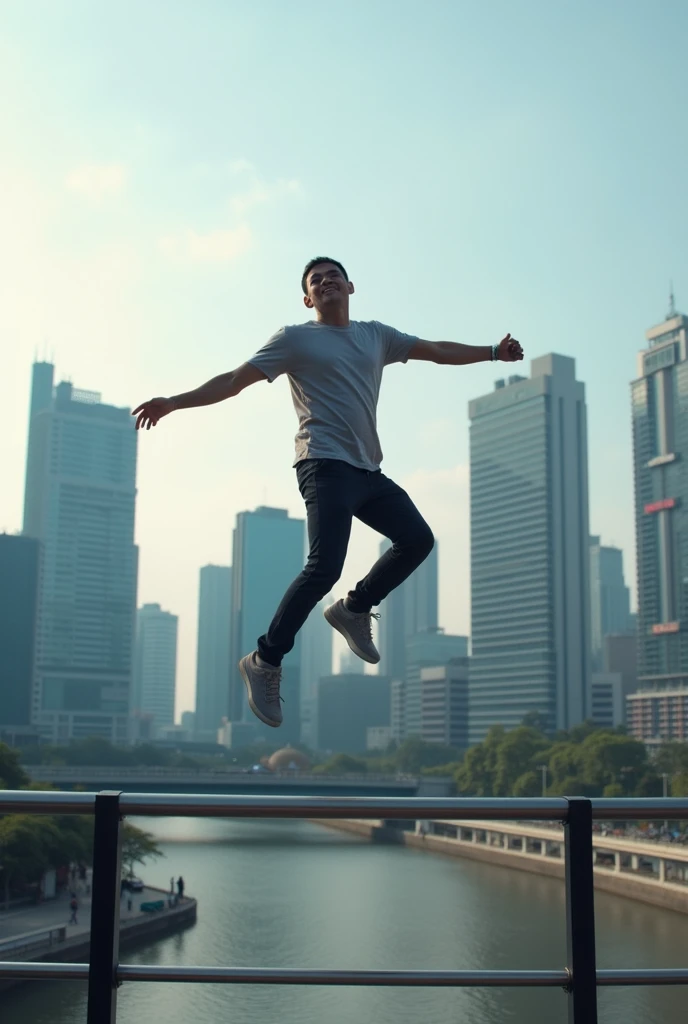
(313, 263)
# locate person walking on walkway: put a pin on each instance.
(73, 906)
(334, 366)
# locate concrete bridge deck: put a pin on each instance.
(234, 781)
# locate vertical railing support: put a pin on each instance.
(580, 913)
(105, 904)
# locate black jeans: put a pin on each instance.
(335, 492)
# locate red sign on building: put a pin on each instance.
(665, 627)
(659, 506)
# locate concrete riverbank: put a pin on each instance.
(653, 873)
(42, 932)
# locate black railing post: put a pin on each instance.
(105, 902)
(580, 913)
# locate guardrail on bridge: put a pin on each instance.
(579, 978)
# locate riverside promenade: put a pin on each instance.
(42, 931)
(651, 872)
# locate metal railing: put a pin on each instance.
(29, 942)
(104, 973)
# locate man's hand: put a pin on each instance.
(148, 413)
(509, 350)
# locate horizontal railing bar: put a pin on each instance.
(14, 801)
(42, 971)
(340, 807)
(276, 976)
(640, 809)
(661, 976)
(296, 976)
(394, 807)
(289, 976)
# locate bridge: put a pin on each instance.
(579, 978)
(235, 781)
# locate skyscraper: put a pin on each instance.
(316, 662)
(155, 674)
(212, 652)
(432, 648)
(410, 609)
(79, 502)
(530, 599)
(444, 704)
(610, 600)
(19, 567)
(348, 705)
(268, 552)
(660, 456)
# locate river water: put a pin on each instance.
(293, 894)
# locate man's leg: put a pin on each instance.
(329, 490)
(390, 511)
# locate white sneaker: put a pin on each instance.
(356, 628)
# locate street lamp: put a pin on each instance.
(666, 779)
(544, 769)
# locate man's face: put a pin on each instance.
(326, 287)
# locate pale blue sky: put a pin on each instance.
(166, 168)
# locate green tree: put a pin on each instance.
(12, 775)
(23, 852)
(476, 776)
(608, 758)
(679, 785)
(671, 758)
(66, 837)
(535, 720)
(138, 846)
(528, 784)
(94, 750)
(519, 751)
(342, 764)
(564, 763)
(414, 754)
(580, 733)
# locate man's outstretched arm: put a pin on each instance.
(451, 353)
(226, 385)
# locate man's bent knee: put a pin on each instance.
(422, 543)
(323, 578)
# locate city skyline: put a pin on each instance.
(150, 251)
(186, 696)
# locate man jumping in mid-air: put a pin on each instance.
(334, 366)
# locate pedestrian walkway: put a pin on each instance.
(55, 913)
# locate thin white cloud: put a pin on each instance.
(220, 246)
(96, 181)
(263, 192)
(240, 166)
(223, 245)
